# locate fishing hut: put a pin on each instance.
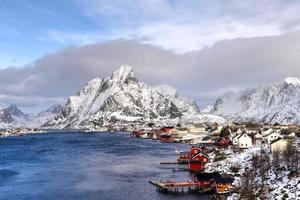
(203, 182)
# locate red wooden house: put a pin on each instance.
(194, 151)
(206, 179)
(222, 185)
(197, 162)
(166, 129)
(223, 142)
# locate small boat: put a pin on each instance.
(177, 152)
(145, 136)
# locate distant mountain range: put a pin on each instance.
(277, 102)
(12, 117)
(121, 99)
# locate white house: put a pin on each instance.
(271, 136)
(267, 132)
(243, 141)
(235, 140)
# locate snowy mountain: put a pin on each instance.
(48, 114)
(13, 117)
(15, 111)
(166, 90)
(206, 109)
(184, 104)
(270, 103)
(120, 99)
(5, 116)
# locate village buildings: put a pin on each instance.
(269, 137)
(197, 128)
(244, 141)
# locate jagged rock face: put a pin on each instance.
(118, 99)
(12, 116)
(46, 115)
(55, 109)
(5, 116)
(270, 103)
(185, 105)
(15, 111)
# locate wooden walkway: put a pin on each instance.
(178, 186)
(174, 163)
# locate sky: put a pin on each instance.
(50, 49)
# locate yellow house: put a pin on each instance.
(197, 128)
(279, 145)
(179, 132)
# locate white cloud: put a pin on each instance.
(193, 24)
(191, 37)
(203, 74)
(236, 54)
(181, 26)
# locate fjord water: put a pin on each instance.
(86, 166)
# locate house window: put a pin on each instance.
(246, 144)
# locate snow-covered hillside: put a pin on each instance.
(270, 103)
(121, 99)
(46, 115)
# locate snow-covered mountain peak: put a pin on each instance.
(292, 80)
(14, 110)
(123, 100)
(166, 90)
(124, 74)
(185, 105)
(57, 108)
(277, 102)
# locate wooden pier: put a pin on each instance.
(179, 186)
(174, 163)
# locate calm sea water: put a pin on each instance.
(85, 166)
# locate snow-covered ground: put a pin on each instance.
(278, 188)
